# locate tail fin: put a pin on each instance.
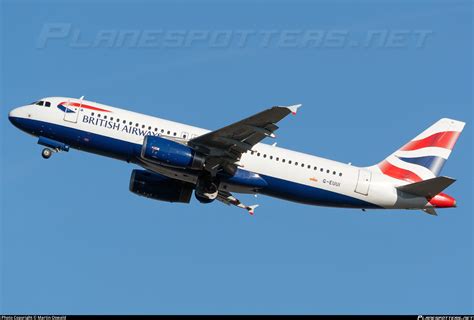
(423, 157)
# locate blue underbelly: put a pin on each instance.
(301, 193)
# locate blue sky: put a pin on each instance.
(75, 240)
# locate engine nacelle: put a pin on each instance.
(170, 153)
(158, 187)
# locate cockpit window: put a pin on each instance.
(42, 103)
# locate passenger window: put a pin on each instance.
(327, 171)
(302, 165)
(271, 157)
(334, 172)
(92, 114)
(283, 160)
(149, 128)
(277, 159)
(340, 174)
(130, 123)
(136, 125)
(98, 115)
(143, 126)
(118, 120)
(258, 154)
(105, 117)
(289, 161)
(315, 168)
(296, 163)
(111, 118)
(309, 167)
(321, 170)
(264, 155)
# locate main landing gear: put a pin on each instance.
(46, 153)
(207, 189)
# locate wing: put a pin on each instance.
(229, 199)
(226, 145)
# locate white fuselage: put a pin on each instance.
(285, 166)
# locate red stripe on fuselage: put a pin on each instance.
(398, 173)
(85, 106)
(445, 139)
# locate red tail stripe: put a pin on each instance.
(85, 106)
(398, 173)
(445, 139)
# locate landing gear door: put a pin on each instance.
(363, 182)
(71, 114)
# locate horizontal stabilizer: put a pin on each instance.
(431, 211)
(427, 188)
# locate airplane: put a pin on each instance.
(178, 160)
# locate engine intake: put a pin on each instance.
(158, 187)
(170, 153)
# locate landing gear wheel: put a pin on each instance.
(206, 190)
(46, 153)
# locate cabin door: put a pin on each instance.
(71, 114)
(363, 182)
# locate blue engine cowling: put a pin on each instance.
(170, 153)
(158, 187)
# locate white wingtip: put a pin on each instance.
(294, 108)
(251, 209)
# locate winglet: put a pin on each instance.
(294, 108)
(251, 209)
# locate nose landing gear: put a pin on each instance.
(51, 146)
(46, 153)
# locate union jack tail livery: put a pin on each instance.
(423, 157)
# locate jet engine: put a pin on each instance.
(170, 153)
(158, 187)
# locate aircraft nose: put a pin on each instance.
(14, 116)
